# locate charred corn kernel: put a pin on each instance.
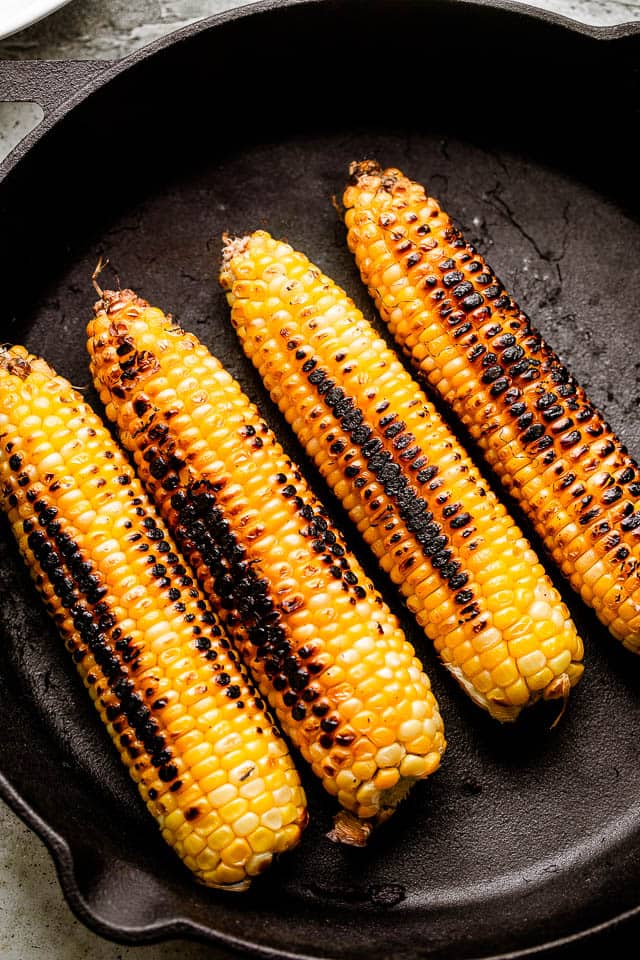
(145, 643)
(467, 573)
(322, 646)
(538, 430)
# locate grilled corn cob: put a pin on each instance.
(322, 646)
(537, 429)
(189, 726)
(464, 568)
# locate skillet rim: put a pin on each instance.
(93, 76)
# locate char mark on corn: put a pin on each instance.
(185, 718)
(537, 428)
(463, 567)
(322, 646)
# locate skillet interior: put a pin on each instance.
(520, 126)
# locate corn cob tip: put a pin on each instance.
(112, 301)
(231, 247)
(355, 831)
(18, 362)
(348, 829)
(364, 168)
(563, 685)
(14, 361)
(558, 689)
(100, 265)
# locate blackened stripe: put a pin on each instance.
(203, 529)
(411, 507)
(317, 376)
(69, 579)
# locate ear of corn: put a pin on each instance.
(189, 726)
(321, 644)
(537, 428)
(465, 570)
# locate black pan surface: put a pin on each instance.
(521, 124)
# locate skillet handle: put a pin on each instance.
(50, 83)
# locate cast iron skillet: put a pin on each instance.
(527, 838)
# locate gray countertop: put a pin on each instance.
(35, 920)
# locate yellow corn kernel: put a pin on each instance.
(506, 673)
(261, 839)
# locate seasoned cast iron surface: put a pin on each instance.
(525, 835)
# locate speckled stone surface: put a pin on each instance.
(35, 921)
